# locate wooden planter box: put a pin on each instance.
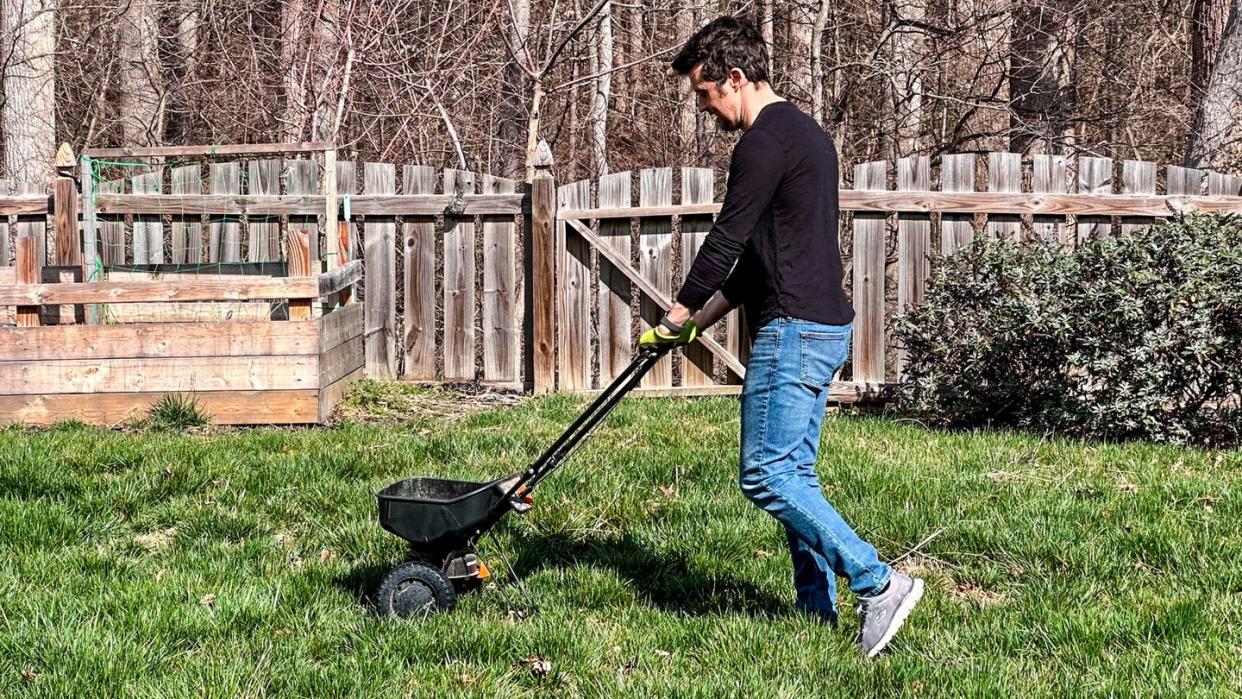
(241, 372)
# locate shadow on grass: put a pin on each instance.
(661, 580)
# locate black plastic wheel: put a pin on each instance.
(415, 589)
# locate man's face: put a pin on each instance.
(722, 101)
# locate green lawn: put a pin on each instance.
(238, 562)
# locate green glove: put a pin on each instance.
(666, 334)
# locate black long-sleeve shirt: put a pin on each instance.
(779, 224)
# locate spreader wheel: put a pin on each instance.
(415, 589)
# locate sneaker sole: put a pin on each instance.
(899, 617)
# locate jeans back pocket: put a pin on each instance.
(823, 353)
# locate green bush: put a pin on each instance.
(1126, 338)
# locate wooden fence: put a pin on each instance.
(469, 279)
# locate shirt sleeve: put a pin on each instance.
(754, 173)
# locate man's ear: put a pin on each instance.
(737, 78)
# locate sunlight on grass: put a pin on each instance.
(238, 562)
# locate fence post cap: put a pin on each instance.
(543, 155)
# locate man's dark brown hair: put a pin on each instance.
(725, 43)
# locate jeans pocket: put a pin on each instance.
(822, 354)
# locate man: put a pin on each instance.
(778, 224)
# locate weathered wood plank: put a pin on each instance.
(1049, 175)
(1183, 181)
(330, 396)
(381, 262)
(290, 204)
(697, 187)
(29, 270)
(148, 229)
(111, 227)
(543, 277)
(332, 253)
(217, 150)
(339, 279)
(868, 298)
(341, 361)
(263, 232)
(303, 179)
(838, 392)
(1095, 176)
(187, 231)
(223, 232)
(459, 273)
(290, 372)
(957, 174)
(181, 312)
(501, 337)
(338, 326)
(1223, 185)
(1137, 177)
(655, 259)
(110, 409)
(574, 293)
(207, 289)
(156, 340)
(419, 343)
(1005, 175)
(613, 301)
(913, 242)
(346, 230)
(6, 189)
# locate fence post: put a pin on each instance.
(543, 280)
(29, 270)
(65, 217)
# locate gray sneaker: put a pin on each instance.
(884, 614)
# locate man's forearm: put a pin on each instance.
(715, 309)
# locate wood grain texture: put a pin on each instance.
(655, 260)
(111, 409)
(957, 175)
(201, 289)
(543, 281)
(1049, 175)
(338, 326)
(1095, 176)
(330, 396)
(263, 232)
(111, 227)
(1183, 181)
(501, 330)
(148, 228)
(306, 205)
(697, 187)
(187, 230)
(613, 300)
(152, 340)
(913, 242)
(223, 232)
(28, 271)
(868, 298)
(573, 262)
(419, 283)
(1005, 176)
(237, 149)
(459, 273)
(181, 374)
(1137, 177)
(303, 180)
(381, 277)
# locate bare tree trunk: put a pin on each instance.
(686, 109)
(29, 94)
(1039, 80)
(817, 60)
(140, 101)
(187, 36)
(990, 122)
(1207, 24)
(1216, 141)
(601, 53)
(332, 56)
(801, 26)
(292, 53)
(513, 109)
(766, 24)
(909, 56)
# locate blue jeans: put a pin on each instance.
(792, 363)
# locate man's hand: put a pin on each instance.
(669, 334)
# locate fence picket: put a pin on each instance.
(419, 344)
(697, 187)
(1183, 181)
(957, 174)
(655, 262)
(263, 244)
(6, 188)
(614, 287)
(1223, 185)
(1048, 176)
(346, 230)
(1005, 175)
(187, 231)
(501, 336)
(913, 241)
(224, 232)
(380, 312)
(1137, 177)
(1095, 176)
(148, 229)
(459, 243)
(869, 278)
(573, 256)
(112, 226)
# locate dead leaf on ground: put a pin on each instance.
(539, 667)
(29, 675)
(763, 554)
(208, 599)
(325, 555)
